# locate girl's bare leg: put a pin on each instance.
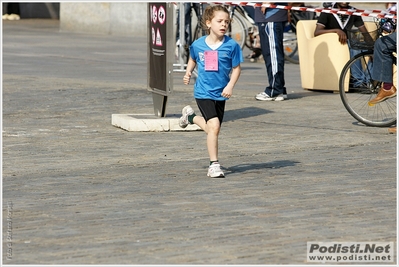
(212, 129)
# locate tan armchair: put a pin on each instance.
(322, 57)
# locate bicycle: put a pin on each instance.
(357, 92)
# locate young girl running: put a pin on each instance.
(218, 58)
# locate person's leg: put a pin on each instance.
(212, 130)
(277, 56)
(383, 67)
(178, 24)
(271, 38)
(13, 8)
(264, 44)
(187, 23)
(358, 77)
(383, 60)
(211, 121)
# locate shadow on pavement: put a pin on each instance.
(243, 113)
(258, 166)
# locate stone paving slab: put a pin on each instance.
(78, 190)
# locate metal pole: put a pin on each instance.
(181, 65)
(182, 34)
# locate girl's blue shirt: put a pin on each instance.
(210, 84)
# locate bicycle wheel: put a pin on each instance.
(357, 88)
(238, 29)
(290, 47)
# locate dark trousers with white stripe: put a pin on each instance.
(271, 40)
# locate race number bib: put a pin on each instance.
(211, 60)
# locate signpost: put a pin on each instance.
(160, 54)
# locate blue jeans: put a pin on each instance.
(359, 77)
(383, 60)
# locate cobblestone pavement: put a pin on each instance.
(77, 190)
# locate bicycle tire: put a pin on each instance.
(238, 29)
(290, 47)
(357, 92)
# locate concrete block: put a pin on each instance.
(149, 123)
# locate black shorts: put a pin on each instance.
(211, 109)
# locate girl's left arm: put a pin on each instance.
(235, 74)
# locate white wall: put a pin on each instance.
(104, 18)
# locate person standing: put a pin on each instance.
(218, 58)
(271, 22)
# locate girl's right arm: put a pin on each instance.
(189, 69)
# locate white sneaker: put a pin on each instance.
(214, 171)
(13, 17)
(186, 111)
(280, 97)
(5, 17)
(264, 97)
